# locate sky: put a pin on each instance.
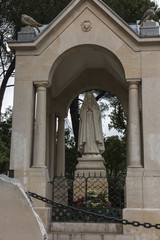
(8, 97)
(157, 2)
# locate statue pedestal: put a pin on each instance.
(90, 165)
(149, 29)
(26, 34)
(90, 176)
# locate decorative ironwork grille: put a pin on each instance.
(96, 194)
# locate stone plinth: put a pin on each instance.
(142, 215)
(149, 29)
(90, 175)
(91, 165)
(39, 183)
(141, 189)
(133, 188)
(26, 34)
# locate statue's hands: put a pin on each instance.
(89, 107)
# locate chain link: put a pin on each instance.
(121, 221)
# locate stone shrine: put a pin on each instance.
(105, 53)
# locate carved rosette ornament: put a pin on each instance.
(86, 26)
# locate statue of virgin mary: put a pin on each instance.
(90, 139)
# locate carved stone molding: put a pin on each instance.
(86, 26)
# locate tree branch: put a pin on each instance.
(5, 80)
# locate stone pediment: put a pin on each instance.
(79, 20)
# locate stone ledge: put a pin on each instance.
(86, 227)
(85, 236)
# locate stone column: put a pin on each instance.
(134, 133)
(22, 128)
(61, 146)
(40, 126)
(52, 144)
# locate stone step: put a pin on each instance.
(89, 236)
(87, 231)
(86, 227)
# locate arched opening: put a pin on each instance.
(114, 124)
(83, 194)
(74, 66)
(80, 69)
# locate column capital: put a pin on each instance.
(61, 115)
(136, 81)
(45, 84)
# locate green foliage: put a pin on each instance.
(5, 140)
(97, 200)
(115, 155)
(70, 154)
(43, 11)
(117, 116)
(130, 10)
(93, 200)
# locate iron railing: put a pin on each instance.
(99, 195)
(97, 216)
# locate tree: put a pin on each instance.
(130, 10)
(5, 140)
(117, 116)
(70, 154)
(115, 156)
(7, 59)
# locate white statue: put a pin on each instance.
(90, 130)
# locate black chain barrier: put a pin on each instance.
(117, 220)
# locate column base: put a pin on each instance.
(39, 183)
(142, 215)
(22, 176)
(141, 189)
(39, 167)
(135, 166)
(133, 188)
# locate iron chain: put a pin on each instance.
(121, 221)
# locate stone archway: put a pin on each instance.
(91, 67)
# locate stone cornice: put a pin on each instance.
(79, 5)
